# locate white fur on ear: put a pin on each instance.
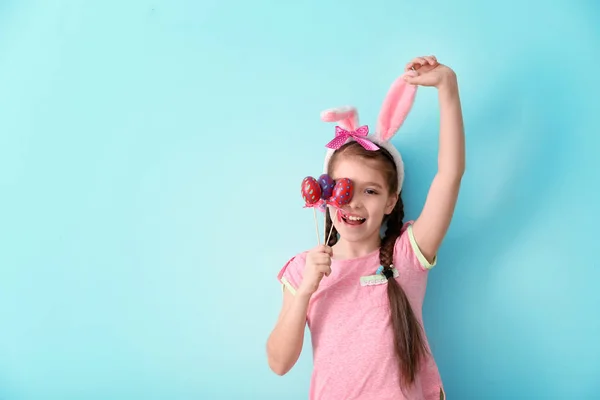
(346, 116)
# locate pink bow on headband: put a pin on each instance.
(341, 135)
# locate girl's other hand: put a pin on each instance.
(427, 71)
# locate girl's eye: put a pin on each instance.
(370, 191)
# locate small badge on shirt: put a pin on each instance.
(377, 279)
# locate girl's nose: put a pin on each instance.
(355, 202)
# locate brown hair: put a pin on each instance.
(409, 340)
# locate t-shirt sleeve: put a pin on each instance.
(407, 250)
(290, 275)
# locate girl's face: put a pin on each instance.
(361, 219)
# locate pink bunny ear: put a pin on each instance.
(347, 117)
(395, 108)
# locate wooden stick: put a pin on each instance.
(325, 224)
(317, 226)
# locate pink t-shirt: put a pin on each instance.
(353, 351)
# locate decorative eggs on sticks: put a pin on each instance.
(324, 191)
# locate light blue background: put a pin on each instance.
(151, 154)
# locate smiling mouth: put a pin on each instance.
(352, 219)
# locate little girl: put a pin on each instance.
(360, 294)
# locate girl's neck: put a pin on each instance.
(344, 250)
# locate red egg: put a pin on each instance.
(342, 192)
(311, 190)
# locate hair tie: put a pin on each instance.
(388, 273)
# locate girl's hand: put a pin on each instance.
(318, 263)
(427, 71)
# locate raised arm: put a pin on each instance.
(432, 224)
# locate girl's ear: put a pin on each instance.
(395, 108)
(346, 117)
(391, 203)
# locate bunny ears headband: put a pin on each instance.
(395, 109)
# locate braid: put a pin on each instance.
(408, 337)
(392, 232)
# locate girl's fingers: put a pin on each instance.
(431, 60)
(323, 259)
(416, 63)
(325, 270)
(414, 80)
(420, 61)
(325, 249)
